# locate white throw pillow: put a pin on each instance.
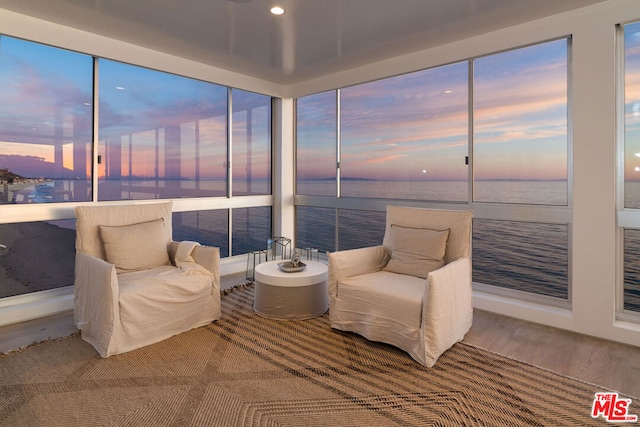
(416, 251)
(136, 246)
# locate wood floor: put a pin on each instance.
(609, 364)
(612, 365)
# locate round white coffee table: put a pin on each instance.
(291, 296)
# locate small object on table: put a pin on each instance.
(294, 266)
(290, 267)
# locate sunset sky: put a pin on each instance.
(415, 126)
(47, 102)
(144, 109)
(409, 127)
(46, 97)
(632, 102)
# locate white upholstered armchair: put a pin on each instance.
(414, 290)
(134, 286)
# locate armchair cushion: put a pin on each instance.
(146, 296)
(416, 251)
(385, 300)
(135, 247)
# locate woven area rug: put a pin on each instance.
(245, 370)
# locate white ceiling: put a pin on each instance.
(313, 38)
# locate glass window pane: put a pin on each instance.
(209, 228)
(46, 118)
(632, 116)
(520, 125)
(161, 135)
(36, 256)
(251, 229)
(524, 256)
(359, 229)
(632, 270)
(406, 137)
(251, 143)
(316, 144)
(315, 228)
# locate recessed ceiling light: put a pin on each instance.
(277, 10)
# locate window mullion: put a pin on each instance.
(95, 156)
(470, 134)
(338, 144)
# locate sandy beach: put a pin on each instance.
(38, 256)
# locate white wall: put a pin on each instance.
(594, 234)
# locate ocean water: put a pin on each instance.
(523, 256)
(530, 257)
(632, 195)
(632, 270)
(490, 191)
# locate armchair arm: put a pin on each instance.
(96, 308)
(209, 257)
(206, 256)
(354, 262)
(447, 313)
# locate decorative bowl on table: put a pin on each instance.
(289, 267)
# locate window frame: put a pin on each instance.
(535, 213)
(626, 218)
(22, 213)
